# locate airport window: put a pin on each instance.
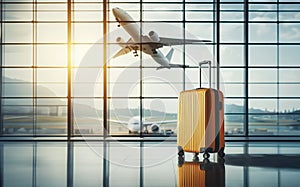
(59, 72)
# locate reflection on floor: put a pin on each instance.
(146, 164)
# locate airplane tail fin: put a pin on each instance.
(170, 54)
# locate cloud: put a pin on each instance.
(290, 32)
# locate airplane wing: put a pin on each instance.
(126, 49)
(122, 51)
(118, 121)
(130, 44)
(148, 123)
(162, 42)
(175, 41)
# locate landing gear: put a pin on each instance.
(154, 51)
(135, 53)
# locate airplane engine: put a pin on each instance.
(154, 36)
(155, 128)
(120, 41)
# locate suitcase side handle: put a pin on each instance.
(209, 71)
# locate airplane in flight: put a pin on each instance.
(148, 44)
(134, 126)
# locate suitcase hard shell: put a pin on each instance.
(201, 174)
(201, 122)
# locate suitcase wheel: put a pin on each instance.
(221, 153)
(206, 155)
(180, 161)
(180, 151)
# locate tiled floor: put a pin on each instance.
(55, 164)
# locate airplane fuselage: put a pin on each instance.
(133, 29)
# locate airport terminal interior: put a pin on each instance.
(89, 91)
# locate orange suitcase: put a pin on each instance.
(201, 121)
(201, 174)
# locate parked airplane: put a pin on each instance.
(134, 125)
(150, 44)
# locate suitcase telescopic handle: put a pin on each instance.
(209, 71)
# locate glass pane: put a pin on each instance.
(17, 55)
(289, 123)
(17, 32)
(262, 90)
(87, 32)
(289, 90)
(17, 75)
(289, 105)
(289, 6)
(289, 55)
(234, 124)
(52, 32)
(200, 30)
(51, 90)
(17, 116)
(89, 55)
(46, 75)
(289, 75)
(289, 32)
(263, 125)
(232, 55)
(124, 116)
(262, 32)
(233, 90)
(17, 15)
(52, 55)
(232, 6)
(199, 16)
(232, 75)
(288, 16)
(265, 7)
(124, 82)
(257, 106)
(19, 89)
(51, 116)
(232, 32)
(262, 75)
(86, 89)
(232, 16)
(87, 116)
(162, 12)
(262, 55)
(262, 16)
(162, 83)
(234, 106)
(51, 12)
(197, 7)
(162, 116)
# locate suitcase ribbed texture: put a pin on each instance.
(200, 120)
(192, 131)
(190, 175)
